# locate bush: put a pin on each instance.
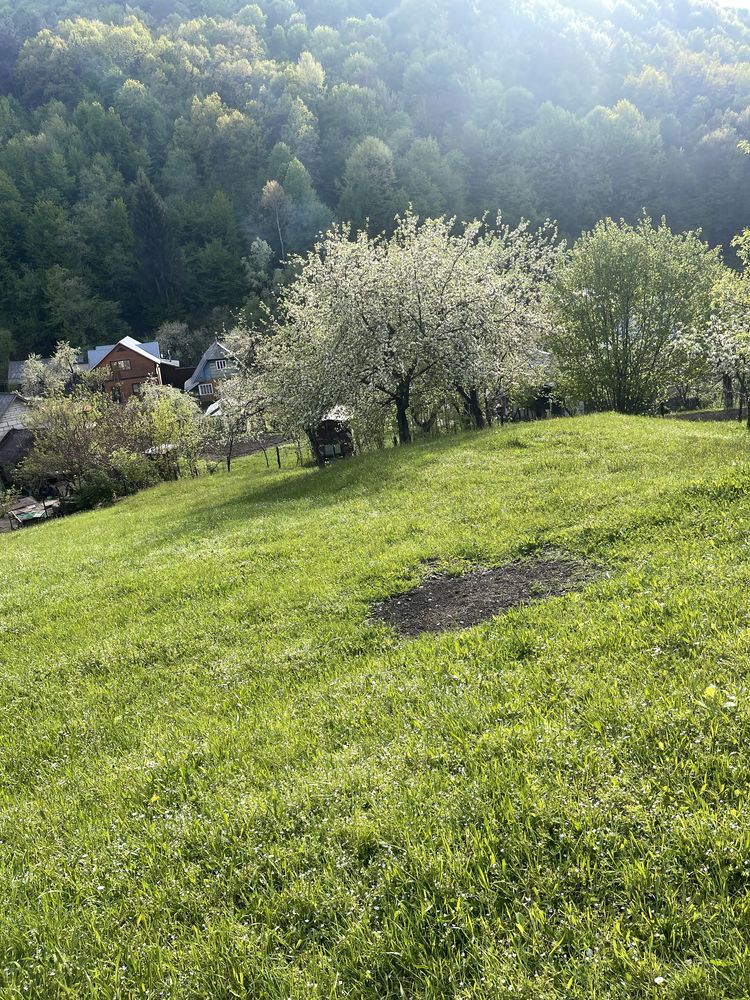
(134, 472)
(96, 488)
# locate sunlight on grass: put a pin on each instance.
(220, 779)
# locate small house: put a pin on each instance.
(217, 363)
(15, 374)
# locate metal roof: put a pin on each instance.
(150, 350)
(15, 372)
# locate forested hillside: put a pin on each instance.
(158, 162)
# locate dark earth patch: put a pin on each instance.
(451, 603)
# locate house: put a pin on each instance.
(15, 446)
(131, 365)
(15, 374)
(13, 412)
(15, 439)
(177, 377)
(216, 364)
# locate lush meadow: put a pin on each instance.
(219, 780)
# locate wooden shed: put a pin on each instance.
(333, 437)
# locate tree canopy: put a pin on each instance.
(623, 303)
(149, 154)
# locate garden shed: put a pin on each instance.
(333, 437)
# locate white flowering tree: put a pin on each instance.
(42, 378)
(497, 345)
(433, 311)
(724, 346)
(239, 413)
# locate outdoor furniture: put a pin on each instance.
(31, 513)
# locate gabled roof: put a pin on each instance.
(151, 351)
(7, 399)
(216, 352)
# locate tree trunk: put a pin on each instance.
(728, 392)
(402, 407)
(472, 406)
(320, 460)
(230, 449)
(426, 425)
(281, 238)
(488, 414)
(475, 408)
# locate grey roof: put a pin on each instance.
(7, 399)
(150, 350)
(216, 352)
(15, 372)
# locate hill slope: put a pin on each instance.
(219, 780)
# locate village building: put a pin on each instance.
(15, 375)
(333, 437)
(217, 363)
(14, 410)
(131, 365)
(15, 439)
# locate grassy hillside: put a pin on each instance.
(219, 780)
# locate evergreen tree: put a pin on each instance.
(151, 225)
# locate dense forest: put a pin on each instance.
(158, 163)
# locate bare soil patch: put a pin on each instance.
(451, 603)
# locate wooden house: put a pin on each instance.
(131, 365)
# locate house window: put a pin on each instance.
(137, 388)
(220, 365)
(206, 389)
(117, 393)
(121, 366)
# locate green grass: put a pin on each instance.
(218, 780)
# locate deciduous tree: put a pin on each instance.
(621, 304)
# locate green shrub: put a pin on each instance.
(96, 488)
(134, 472)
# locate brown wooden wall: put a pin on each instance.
(141, 369)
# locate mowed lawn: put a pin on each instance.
(217, 779)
